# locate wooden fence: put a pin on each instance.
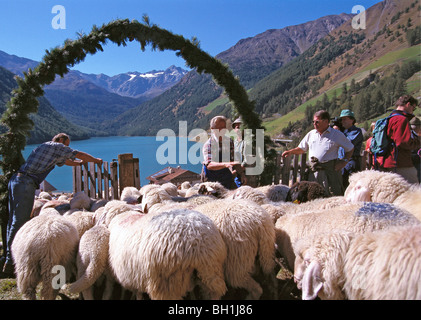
(109, 179)
(291, 169)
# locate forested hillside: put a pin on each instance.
(47, 122)
(364, 70)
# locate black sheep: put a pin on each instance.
(305, 191)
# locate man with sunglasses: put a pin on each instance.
(322, 145)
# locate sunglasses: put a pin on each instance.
(317, 121)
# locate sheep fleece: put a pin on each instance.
(41, 244)
(158, 252)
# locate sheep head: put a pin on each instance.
(304, 191)
(319, 263)
(308, 275)
(358, 192)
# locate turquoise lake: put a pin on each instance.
(153, 155)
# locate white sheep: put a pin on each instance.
(276, 192)
(215, 189)
(253, 194)
(80, 200)
(40, 246)
(379, 265)
(249, 234)
(153, 196)
(45, 195)
(62, 206)
(83, 220)
(389, 187)
(130, 195)
(92, 262)
(110, 210)
(358, 218)
(170, 188)
(157, 253)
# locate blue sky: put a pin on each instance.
(26, 25)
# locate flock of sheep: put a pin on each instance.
(204, 241)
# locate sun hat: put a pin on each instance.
(347, 113)
(238, 120)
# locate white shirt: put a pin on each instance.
(325, 146)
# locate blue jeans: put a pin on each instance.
(21, 200)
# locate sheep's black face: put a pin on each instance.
(297, 193)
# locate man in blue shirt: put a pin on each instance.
(354, 135)
(26, 181)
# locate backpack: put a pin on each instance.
(381, 145)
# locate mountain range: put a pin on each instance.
(284, 70)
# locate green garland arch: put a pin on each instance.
(57, 62)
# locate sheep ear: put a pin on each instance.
(311, 283)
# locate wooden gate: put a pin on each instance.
(109, 179)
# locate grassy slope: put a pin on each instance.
(375, 53)
(274, 127)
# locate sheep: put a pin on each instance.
(45, 195)
(274, 211)
(36, 208)
(83, 221)
(98, 203)
(80, 200)
(305, 191)
(131, 195)
(63, 197)
(355, 217)
(112, 209)
(379, 265)
(154, 196)
(92, 262)
(318, 268)
(61, 206)
(319, 204)
(388, 187)
(380, 186)
(194, 190)
(249, 234)
(247, 192)
(275, 193)
(170, 188)
(42, 244)
(214, 188)
(157, 253)
(411, 201)
(385, 265)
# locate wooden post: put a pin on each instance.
(99, 181)
(303, 166)
(77, 179)
(85, 179)
(114, 180)
(125, 170)
(295, 172)
(136, 173)
(286, 171)
(92, 177)
(106, 181)
(278, 169)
